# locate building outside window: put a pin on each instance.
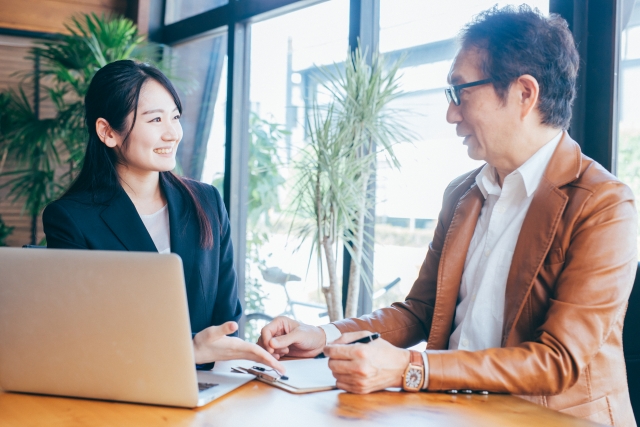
(628, 154)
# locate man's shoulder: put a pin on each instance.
(595, 179)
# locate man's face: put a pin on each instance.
(487, 124)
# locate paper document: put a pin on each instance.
(302, 376)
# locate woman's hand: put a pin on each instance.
(213, 344)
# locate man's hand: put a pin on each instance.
(364, 368)
(213, 344)
(284, 336)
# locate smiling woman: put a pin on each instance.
(127, 198)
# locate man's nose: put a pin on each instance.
(453, 113)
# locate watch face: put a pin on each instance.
(414, 376)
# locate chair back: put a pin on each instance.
(631, 341)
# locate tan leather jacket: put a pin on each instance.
(566, 294)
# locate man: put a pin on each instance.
(525, 284)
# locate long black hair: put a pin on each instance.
(113, 94)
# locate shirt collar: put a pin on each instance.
(531, 171)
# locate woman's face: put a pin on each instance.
(154, 139)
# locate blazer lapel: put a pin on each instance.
(453, 257)
(538, 229)
(183, 224)
(124, 221)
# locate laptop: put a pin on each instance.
(102, 325)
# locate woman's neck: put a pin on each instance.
(143, 188)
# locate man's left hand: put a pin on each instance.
(365, 368)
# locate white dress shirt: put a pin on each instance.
(157, 225)
(480, 307)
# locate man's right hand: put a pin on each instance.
(284, 336)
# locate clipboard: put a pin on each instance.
(303, 376)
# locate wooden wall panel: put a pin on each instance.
(49, 16)
(13, 51)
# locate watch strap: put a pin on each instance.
(425, 360)
(416, 358)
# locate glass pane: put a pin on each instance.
(200, 73)
(177, 10)
(213, 168)
(280, 48)
(408, 200)
(628, 160)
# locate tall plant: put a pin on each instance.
(335, 169)
(48, 151)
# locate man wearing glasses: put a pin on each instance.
(525, 284)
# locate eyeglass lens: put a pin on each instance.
(451, 96)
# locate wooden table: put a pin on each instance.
(256, 404)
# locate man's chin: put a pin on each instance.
(473, 153)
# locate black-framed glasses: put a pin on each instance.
(453, 92)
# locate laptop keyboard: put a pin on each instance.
(205, 386)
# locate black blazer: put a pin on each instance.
(78, 222)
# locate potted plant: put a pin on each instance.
(334, 171)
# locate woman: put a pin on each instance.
(127, 198)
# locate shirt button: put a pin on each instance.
(473, 297)
(465, 342)
(500, 209)
(487, 252)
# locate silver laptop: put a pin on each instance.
(103, 325)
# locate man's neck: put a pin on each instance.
(143, 188)
(523, 149)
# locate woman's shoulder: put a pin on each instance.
(81, 202)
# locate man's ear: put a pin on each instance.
(528, 92)
(106, 134)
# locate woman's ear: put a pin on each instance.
(106, 134)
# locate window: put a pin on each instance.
(628, 164)
(408, 200)
(200, 73)
(281, 49)
(176, 10)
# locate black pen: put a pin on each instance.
(363, 340)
